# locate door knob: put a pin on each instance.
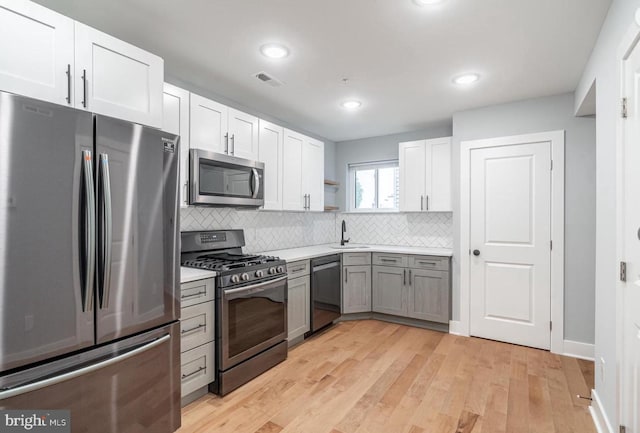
(476, 253)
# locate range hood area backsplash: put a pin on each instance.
(266, 231)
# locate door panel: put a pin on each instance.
(511, 230)
(292, 171)
(429, 295)
(176, 121)
(413, 176)
(143, 284)
(388, 290)
(37, 65)
(209, 121)
(356, 289)
(243, 133)
(313, 169)
(41, 231)
(439, 190)
(298, 307)
(271, 154)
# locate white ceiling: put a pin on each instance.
(399, 57)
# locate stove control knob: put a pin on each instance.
(272, 270)
(245, 277)
(235, 278)
(259, 274)
(280, 269)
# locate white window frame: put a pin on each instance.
(351, 173)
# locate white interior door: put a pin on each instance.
(631, 248)
(510, 233)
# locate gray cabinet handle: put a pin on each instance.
(226, 143)
(421, 202)
(427, 203)
(346, 276)
(293, 271)
(85, 103)
(388, 260)
(409, 276)
(404, 277)
(186, 331)
(428, 263)
(186, 192)
(184, 376)
(195, 295)
(69, 84)
(233, 144)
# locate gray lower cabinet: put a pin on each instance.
(428, 295)
(388, 290)
(356, 289)
(298, 307)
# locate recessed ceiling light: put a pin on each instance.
(351, 104)
(427, 2)
(274, 51)
(466, 79)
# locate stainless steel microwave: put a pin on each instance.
(217, 179)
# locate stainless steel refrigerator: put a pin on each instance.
(89, 270)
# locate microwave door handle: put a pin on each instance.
(89, 230)
(107, 229)
(256, 183)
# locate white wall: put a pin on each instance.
(539, 115)
(604, 68)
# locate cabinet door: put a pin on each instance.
(298, 307)
(208, 125)
(438, 188)
(356, 289)
(243, 134)
(292, 194)
(270, 151)
(313, 170)
(428, 295)
(413, 176)
(175, 119)
(388, 290)
(116, 79)
(37, 52)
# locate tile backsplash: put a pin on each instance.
(266, 231)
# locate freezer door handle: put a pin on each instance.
(106, 229)
(33, 386)
(89, 231)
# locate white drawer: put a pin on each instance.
(356, 259)
(197, 368)
(197, 292)
(381, 259)
(298, 269)
(196, 326)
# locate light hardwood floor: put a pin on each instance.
(369, 376)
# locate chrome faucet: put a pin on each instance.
(344, 229)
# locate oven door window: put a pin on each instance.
(255, 319)
(227, 180)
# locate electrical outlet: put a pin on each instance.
(602, 370)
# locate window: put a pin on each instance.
(375, 186)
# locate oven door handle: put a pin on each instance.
(254, 288)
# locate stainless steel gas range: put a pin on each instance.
(251, 305)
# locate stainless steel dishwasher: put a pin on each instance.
(325, 291)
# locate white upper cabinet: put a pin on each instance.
(117, 79)
(218, 128)
(313, 173)
(425, 175)
(270, 152)
(243, 134)
(36, 46)
(209, 120)
(292, 195)
(176, 121)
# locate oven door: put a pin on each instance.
(253, 318)
(223, 180)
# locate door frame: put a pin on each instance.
(557, 140)
(630, 41)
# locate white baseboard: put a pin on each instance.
(576, 349)
(455, 328)
(598, 414)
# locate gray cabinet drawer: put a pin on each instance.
(197, 368)
(382, 259)
(197, 292)
(298, 269)
(196, 326)
(356, 259)
(429, 262)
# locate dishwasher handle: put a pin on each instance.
(327, 266)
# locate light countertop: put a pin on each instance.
(191, 274)
(305, 253)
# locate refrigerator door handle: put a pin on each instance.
(89, 231)
(106, 229)
(33, 386)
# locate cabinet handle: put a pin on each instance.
(226, 143)
(404, 277)
(69, 84)
(388, 260)
(409, 276)
(427, 203)
(346, 276)
(233, 144)
(421, 203)
(186, 193)
(293, 271)
(186, 331)
(428, 263)
(84, 88)
(308, 201)
(194, 295)
(184, 376)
